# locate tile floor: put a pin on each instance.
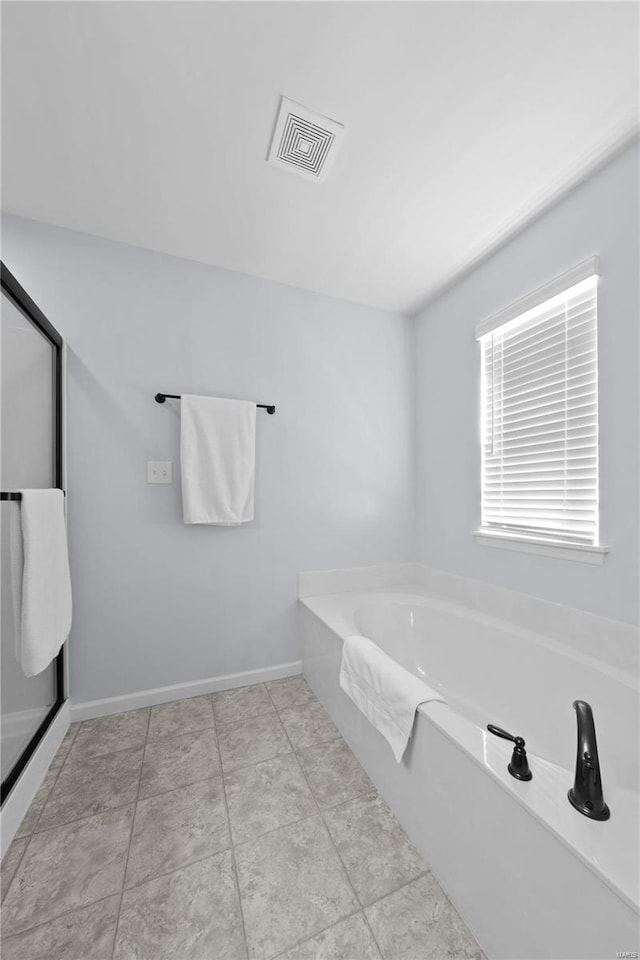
(237, 825)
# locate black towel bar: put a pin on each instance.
(16, 495)
(161, 397)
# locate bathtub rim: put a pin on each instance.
(404, 595)
(471, 740)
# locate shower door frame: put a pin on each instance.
(21, 299)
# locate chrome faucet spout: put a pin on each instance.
(586, 794)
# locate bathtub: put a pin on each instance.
(531, 877)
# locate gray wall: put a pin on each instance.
(156, 602)
(599, 217)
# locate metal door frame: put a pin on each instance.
(21, 299)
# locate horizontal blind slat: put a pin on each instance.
(512, 347)
(543, 359)
(515, 385)
(551, 468)
(529, 426)
(549, 445)
(538, 404)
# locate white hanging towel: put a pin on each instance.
(42, 588)
(384, 691)
(218, 458)
(16, 572)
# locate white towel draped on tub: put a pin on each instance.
(40, 580)
(384, 691)
(218, 455)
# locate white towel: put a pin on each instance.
(44, 582)
(218, 455)
(384, 691)
(16, 572)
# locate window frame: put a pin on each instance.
(505, 538)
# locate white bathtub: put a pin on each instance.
(529, 874)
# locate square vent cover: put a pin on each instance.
(304, 142)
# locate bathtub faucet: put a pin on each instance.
(586, 793)
(518, 765)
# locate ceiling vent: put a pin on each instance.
(304, 142)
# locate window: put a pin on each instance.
(539, 421)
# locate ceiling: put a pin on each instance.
(150, 123)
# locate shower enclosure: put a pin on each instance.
(30, 457)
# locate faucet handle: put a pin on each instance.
(499, 732)
(519, 765)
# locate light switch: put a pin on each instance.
(159, 471)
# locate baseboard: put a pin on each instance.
(28, 783)
(180, 691)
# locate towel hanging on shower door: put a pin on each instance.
(40, 579)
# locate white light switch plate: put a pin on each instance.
(159, 471)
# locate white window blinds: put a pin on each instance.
(539, 417)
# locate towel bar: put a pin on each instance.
(161, 397)
(16, 495)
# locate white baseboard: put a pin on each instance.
(28, 783)
(180, 691)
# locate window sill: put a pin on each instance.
(564, 551)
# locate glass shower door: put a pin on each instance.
(29, 458)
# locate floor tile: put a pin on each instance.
(177, 761)
(308, 723)
(290, 691)
(31, 817)
(62, 751)
(252, 740)
(349, 939)
(229, 706)
(266, 796)
(68, 867)
(85, 934)
(180, 716)
(93, 784)
(333, 772)
(191, 914)
(11, 860)
(121, 731)
(177, 828)
(419, 921)
(180, 900)
(373, 846)
(292, 885)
